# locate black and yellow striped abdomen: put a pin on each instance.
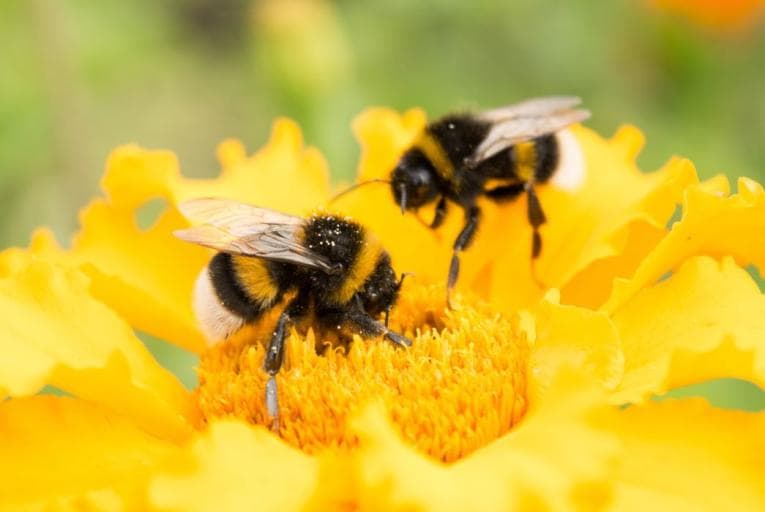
(246, 286)
(533, 161)
(447, 143)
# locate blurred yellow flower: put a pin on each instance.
(509, 401)
(724, 15)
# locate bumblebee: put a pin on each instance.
(325, 266)
(498, 154)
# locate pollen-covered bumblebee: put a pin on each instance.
(498, 154)
(332, 267)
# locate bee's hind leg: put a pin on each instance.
(472, 215)
(440, 215)
(274, 358)
(536, 218)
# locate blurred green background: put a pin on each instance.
(79, 78)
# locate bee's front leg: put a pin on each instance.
(440, 215)
(367, 327)
(464, 239)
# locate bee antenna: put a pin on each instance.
(404, 275)
(354, 187)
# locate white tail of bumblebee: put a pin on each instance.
(217, 322)
(572, 169)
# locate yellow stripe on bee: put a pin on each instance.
(525, 160)
(362, 268)
(499, 182)
(254, 277)
(435, 152)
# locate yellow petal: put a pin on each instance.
(592, 286)
(235, 466)
(384, 135)
(687, 456)
(712, 224)
(60, 453)
(573, 336)
(55, 332)
(706, 321)
(284, 174)
(592, 223)
(554, 460)
(587, 225)
(147, 275)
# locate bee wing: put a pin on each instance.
(534, 107)
(241, 219)
(238, 228)
(533, 118)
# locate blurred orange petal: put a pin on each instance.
(724, 15)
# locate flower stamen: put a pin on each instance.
(460, 386)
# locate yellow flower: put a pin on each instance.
(724, 16)
(509, 401)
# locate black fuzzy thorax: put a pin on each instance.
(459, 135)
(504, 164)
(340, 241)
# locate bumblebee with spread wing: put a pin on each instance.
(499, 154)
(337, 269)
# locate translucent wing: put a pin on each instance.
(238, 228)
(533, 118)
(534, 107)
(239, 218)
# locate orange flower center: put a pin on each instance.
(461, 385)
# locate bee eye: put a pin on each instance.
(420, 186)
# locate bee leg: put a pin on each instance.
(536, 218)
(472, 215)
(272, 364)
(404, 275)
(274, 358)
(438, 219)
(358, 303)
(367, 327)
